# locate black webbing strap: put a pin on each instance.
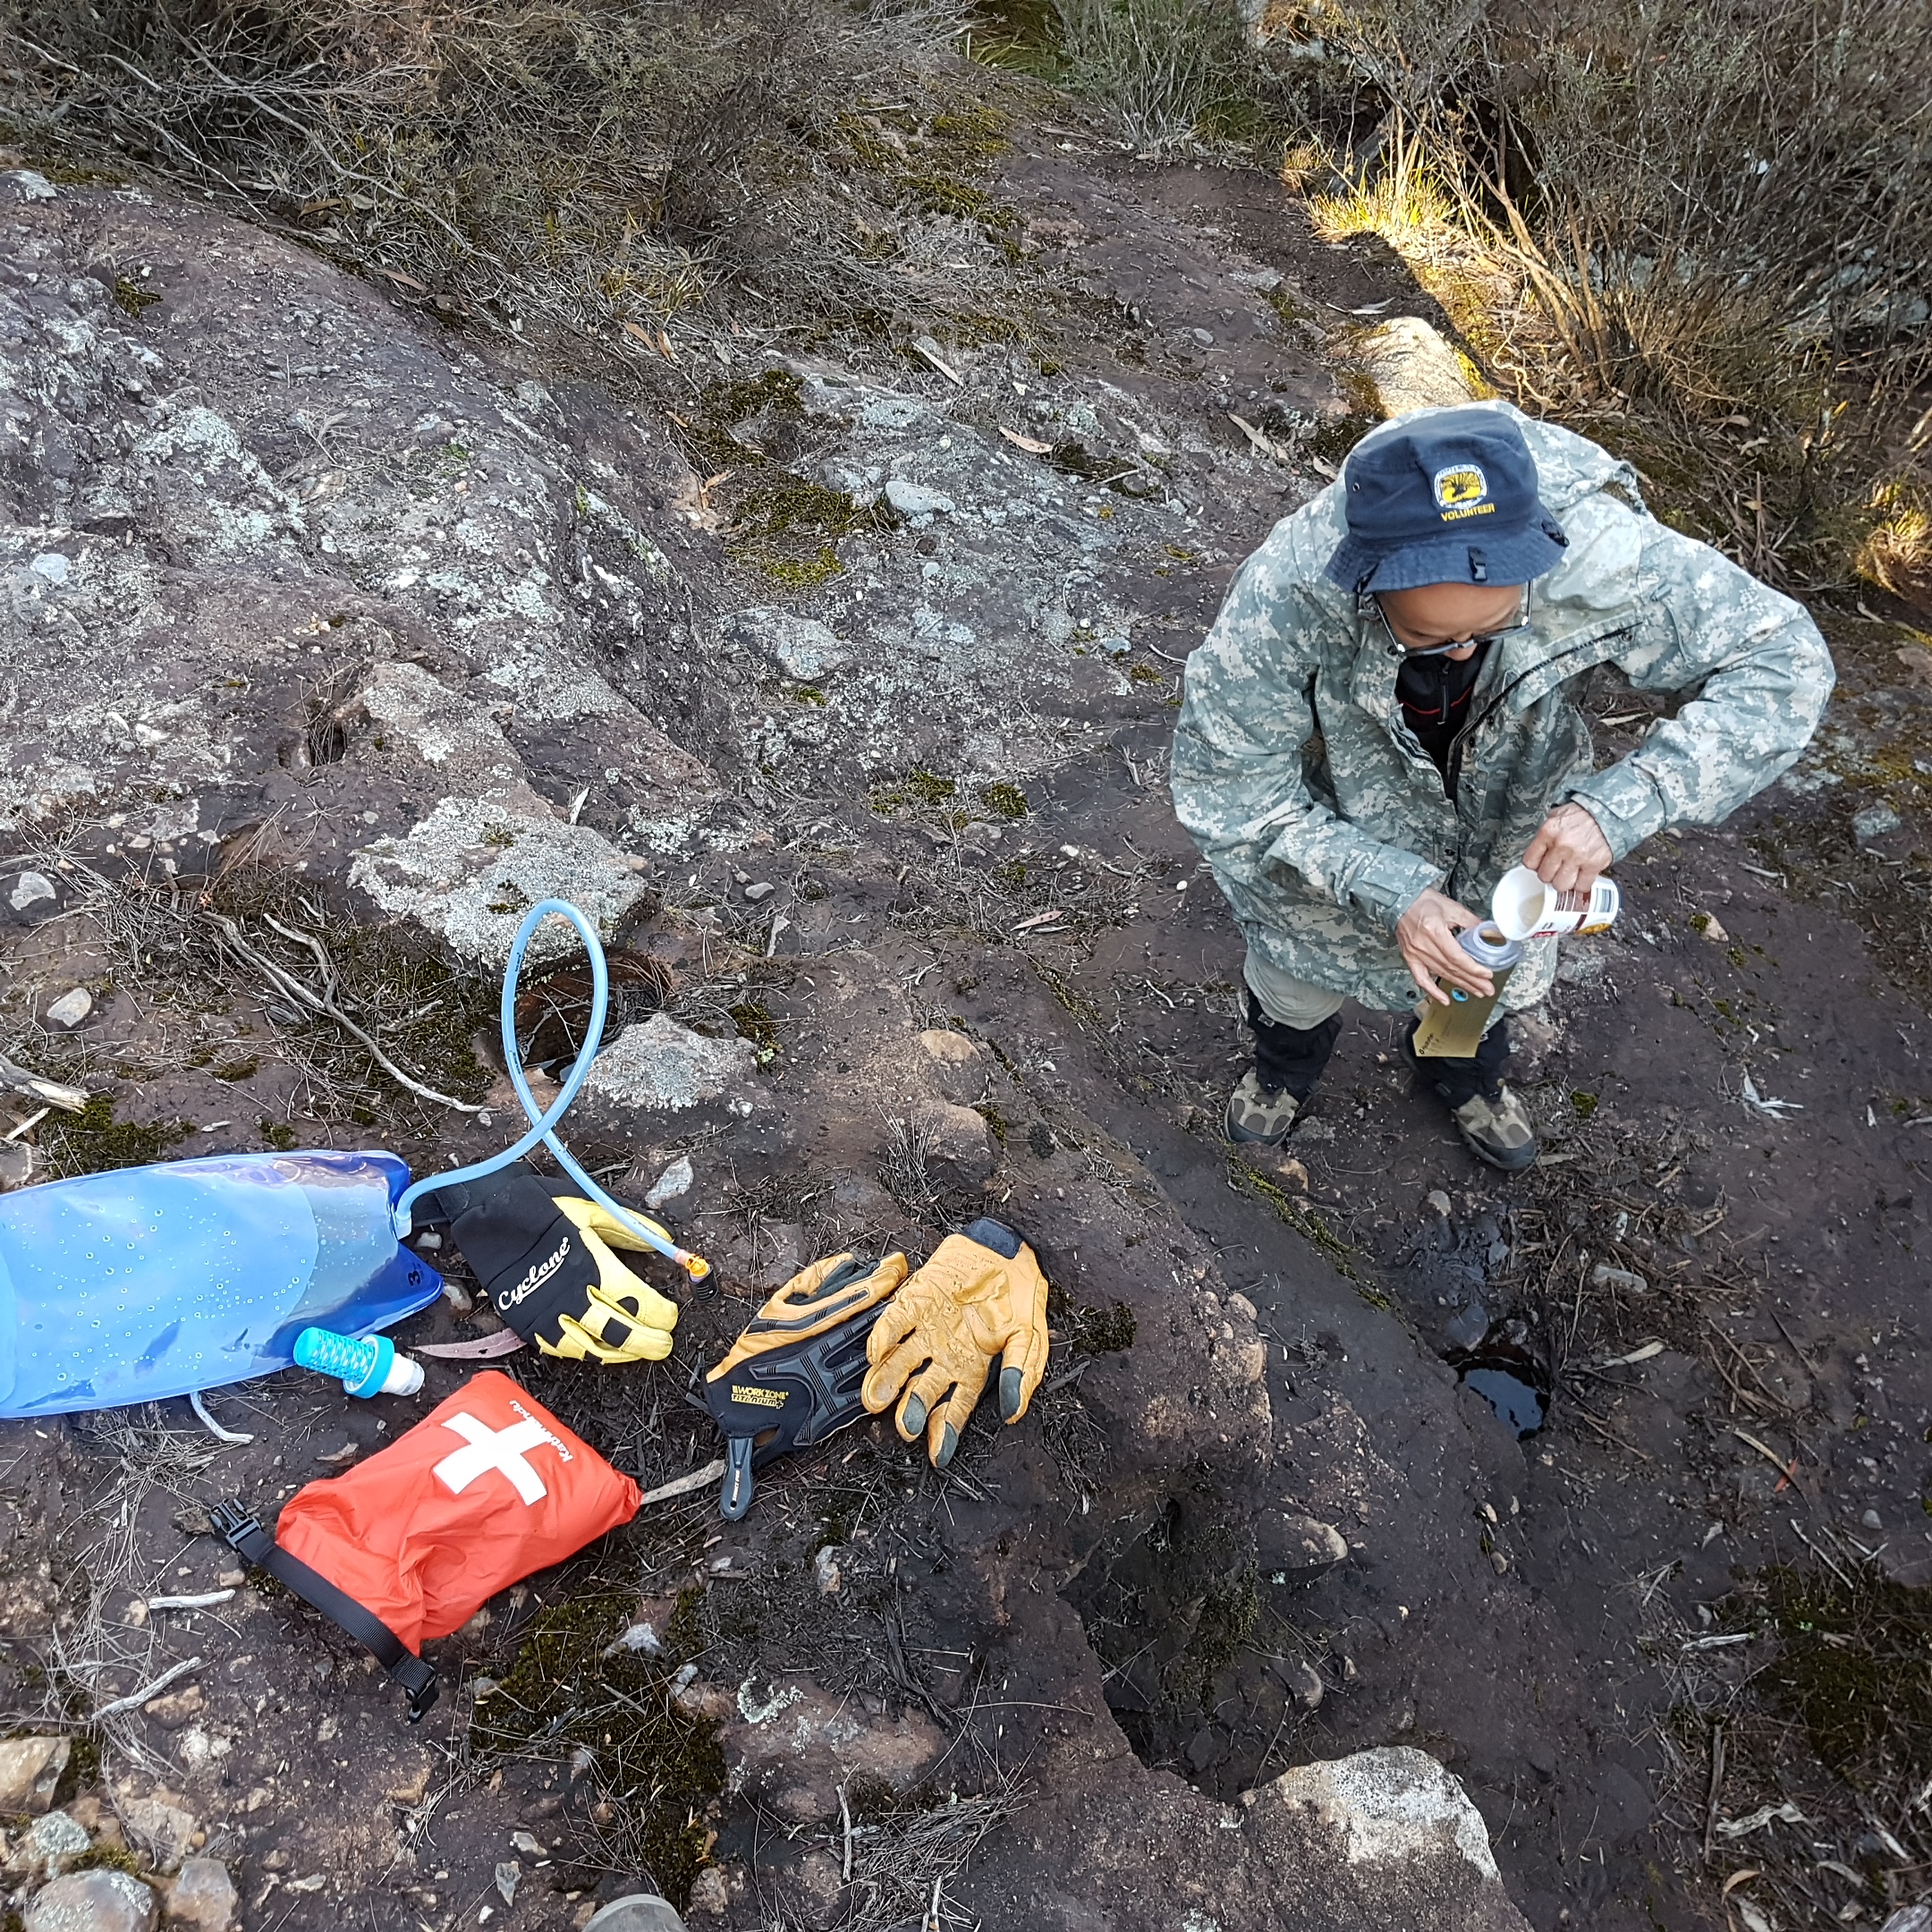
(253, 1544)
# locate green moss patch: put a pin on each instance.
(565, 1692)
(93, 1142)
(1854, 1667)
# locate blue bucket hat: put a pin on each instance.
(1449, 496)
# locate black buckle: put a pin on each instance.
(234, 1525)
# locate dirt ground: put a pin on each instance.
(1674, 1635)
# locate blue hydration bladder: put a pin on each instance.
(149, 1281)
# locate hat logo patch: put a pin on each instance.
(1462, 490)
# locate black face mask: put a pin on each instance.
(1434, 693)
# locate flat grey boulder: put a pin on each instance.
(467, 874)
(662, 1067)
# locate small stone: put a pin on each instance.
(70, 1008)
(1238, 1304)
(1142, 483)
(53, 1841)
(166, 1830)
(509, 1875)
(1437, 1202)
(29, 889)
(820, 1882)
(914, 501)
(1499, 1562)
(528, 1843)
(957, 1140)
(709, 1893)
(172, 1711)
(1293, 1547)
(1305, 1684)
(1622, 1280)
(1872, 1519)
(1873, 823)
(664, 1066)
(30, 1768)
(1708, 924)
(674, 1180)
(759, 889)
(18, 1161)
(105, 1901)
(1202, 338)
(826, 1570)
(203, 1896)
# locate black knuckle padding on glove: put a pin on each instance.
(534, 1265)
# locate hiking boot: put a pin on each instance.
(1498, 1130)
(1259, 1116)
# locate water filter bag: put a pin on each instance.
(150, 1282)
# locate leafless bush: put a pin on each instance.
(591, 169)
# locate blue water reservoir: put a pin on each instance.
(149, 1282)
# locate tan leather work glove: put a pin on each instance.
(982, 1294)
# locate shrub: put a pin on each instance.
(600, 169)
(1719, 214)
(1168, 71)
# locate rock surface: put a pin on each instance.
(31, 1770)
(104, 1900)
(203, 1897)
(300, 581)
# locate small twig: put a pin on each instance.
(683, 1485)
(149, 1694)
(305, 994)
(1610, 1435)
(214, 1427)
(206, 1600)
(845, 1819)
(1716, 1797)
(24, 1080)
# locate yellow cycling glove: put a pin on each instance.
(982, 1294)
(544, 1260)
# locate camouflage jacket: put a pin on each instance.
(1323, 817)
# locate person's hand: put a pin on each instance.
(1570, 851)
(1427, 935)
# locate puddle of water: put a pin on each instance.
(1514, 1402)
(1509, 1378)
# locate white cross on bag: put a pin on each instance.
(493, 1449)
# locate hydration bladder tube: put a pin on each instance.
(543, 1125)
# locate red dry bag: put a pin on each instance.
(406, 1546)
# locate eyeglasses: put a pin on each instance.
(1468, 643)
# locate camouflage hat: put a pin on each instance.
(1447, 495)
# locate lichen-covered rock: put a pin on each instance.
(467, 874)
(1413, 367)
(105, 1900)
(52, 1843)
(662, 1067)
(1387, 1807)
(793, 1746)
(165, 1830)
